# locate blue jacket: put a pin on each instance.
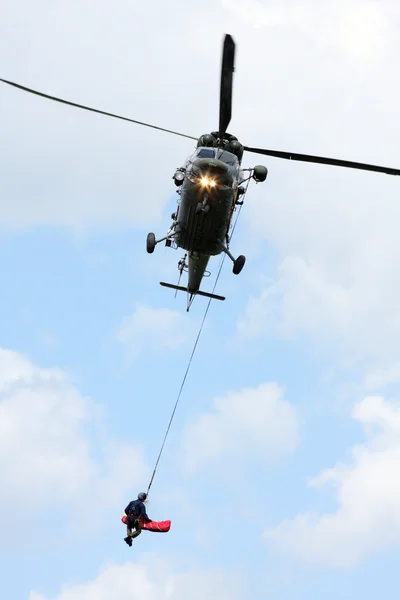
(136, 508)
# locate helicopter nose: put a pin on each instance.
(211, 165)
(213, 169)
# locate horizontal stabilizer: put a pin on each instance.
(180, 288)
(207, 295)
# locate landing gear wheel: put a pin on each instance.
(199, 208)
(206, 209)
(238, 264)
(151, 243)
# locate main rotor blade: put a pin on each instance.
(324, 161)
(95, 110)
(228, 67)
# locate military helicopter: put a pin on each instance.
(210, 185)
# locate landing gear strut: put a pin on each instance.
(238, 263)
(151, 242)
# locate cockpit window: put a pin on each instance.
(206, 153)
(227, 157)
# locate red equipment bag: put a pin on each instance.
(157, 526)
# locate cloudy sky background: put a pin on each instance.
(281, 472)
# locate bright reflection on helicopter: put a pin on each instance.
(206, 181)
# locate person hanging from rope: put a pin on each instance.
(135, 514)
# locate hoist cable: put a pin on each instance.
(192, 354)
(184, 377)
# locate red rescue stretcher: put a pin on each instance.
(157, 526)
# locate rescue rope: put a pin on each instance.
(193, 350)
(185, 376)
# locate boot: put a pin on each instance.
(128, 540)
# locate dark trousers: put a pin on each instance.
(133, 523)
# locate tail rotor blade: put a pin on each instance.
(228, 67)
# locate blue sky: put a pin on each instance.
(280, 474)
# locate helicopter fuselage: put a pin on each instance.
(203, 217)
(209, 187)
(207, 200)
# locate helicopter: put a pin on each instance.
(210, 185)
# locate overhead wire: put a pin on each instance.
(193, 352)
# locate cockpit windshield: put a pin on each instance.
(230, 159)
(227, 157)
(205, 153)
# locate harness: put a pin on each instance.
(134, 518)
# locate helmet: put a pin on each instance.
(142, 496)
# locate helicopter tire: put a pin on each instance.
(199, 208)
(238, 264)
(150, 243)
(206, 209)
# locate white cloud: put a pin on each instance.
(47, 450)
(306, 299)
(358, 28)
(157, 580)
(344, 292)
(155, 329)
(256, 422)
(368, 493)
